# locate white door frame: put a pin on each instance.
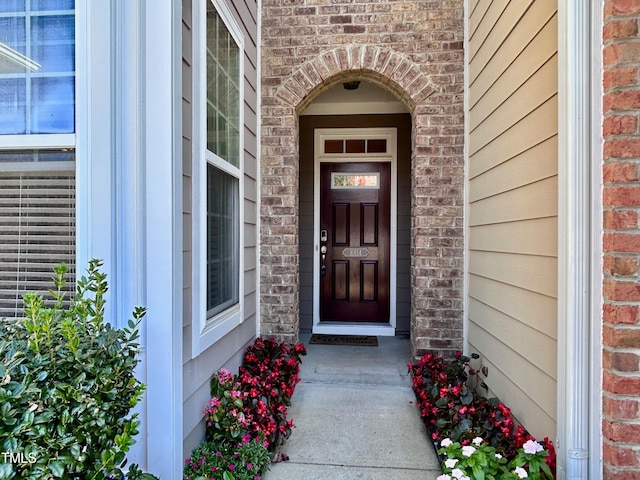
(320, 135)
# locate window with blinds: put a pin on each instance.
(37, 232)
(37, 156)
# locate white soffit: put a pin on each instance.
(366, 99)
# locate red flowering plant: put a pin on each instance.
(269, 374)
(441, 391)
(452, 409)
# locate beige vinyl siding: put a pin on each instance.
(228, 351)
(512, 210)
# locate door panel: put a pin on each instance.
(355, 212)
(368, 281)
(341, 224)
(369, 224)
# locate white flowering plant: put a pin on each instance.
(481, 461)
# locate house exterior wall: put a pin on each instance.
(513, 203)
(412, 49)
(621, 247)
(199, 366)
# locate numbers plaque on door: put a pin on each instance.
(355, 252)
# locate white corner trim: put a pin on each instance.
(161, 92)
(93, 138)
(465, 202)
(259, 168)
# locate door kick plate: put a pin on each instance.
(355, 252)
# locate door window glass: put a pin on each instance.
(355, 180)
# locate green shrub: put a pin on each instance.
(67, 386)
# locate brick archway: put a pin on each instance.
(387, 69)
(431, 87)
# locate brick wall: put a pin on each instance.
(414, 50)
(621, 201)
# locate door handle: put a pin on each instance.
(323, 256)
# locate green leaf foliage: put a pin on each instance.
(244, 459)
(67, 385)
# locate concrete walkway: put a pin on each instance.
(356, 417)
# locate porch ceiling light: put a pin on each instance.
(351, 85)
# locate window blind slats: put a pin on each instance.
(37, 232)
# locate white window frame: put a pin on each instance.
(206, 331)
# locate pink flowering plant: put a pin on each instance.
(481, 461)
(225, 415)
(224, 460)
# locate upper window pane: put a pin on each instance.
(44, 5)
(36, 5)
(52, 109)
(223, 91)
(53, 43)
(37, 66)
(13, 94)
(12, 6)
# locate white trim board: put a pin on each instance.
(160, 33)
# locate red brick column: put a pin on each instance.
(621, 202)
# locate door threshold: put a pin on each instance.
(338, 328)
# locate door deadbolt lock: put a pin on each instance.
(323, 235)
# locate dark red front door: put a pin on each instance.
(355, 243)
